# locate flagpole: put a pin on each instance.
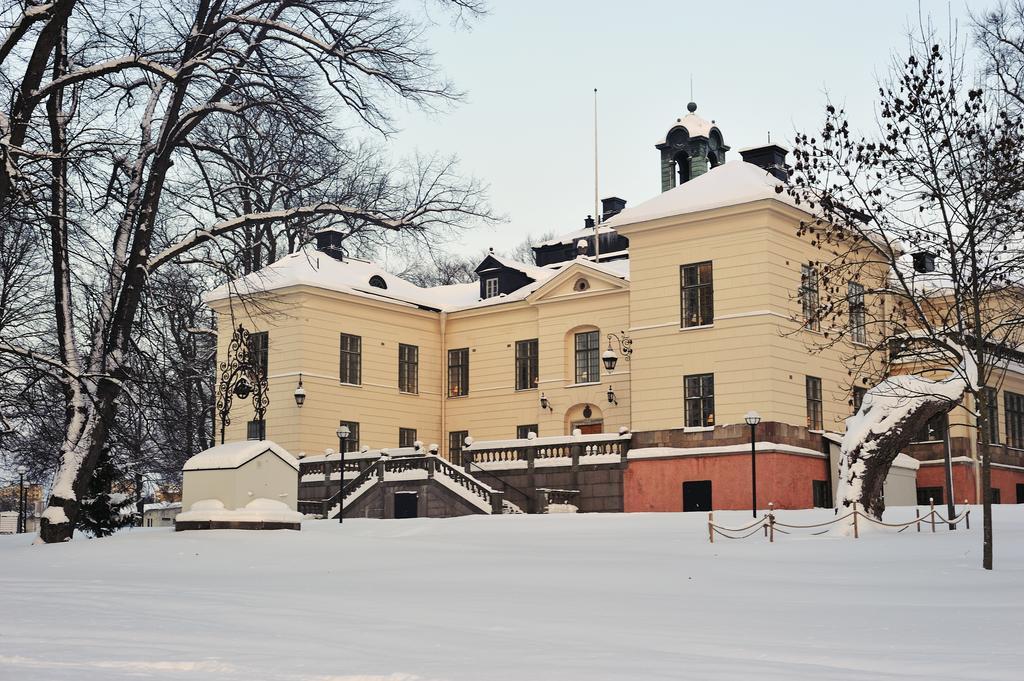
(597, 213)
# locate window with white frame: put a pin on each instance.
(490, 287)
(858, 322)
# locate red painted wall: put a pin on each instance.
(783, 479)
(1004, 480)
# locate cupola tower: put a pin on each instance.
(691, 147)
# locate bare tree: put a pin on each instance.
(102, 140)
(921, 256)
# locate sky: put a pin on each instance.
(529, 69)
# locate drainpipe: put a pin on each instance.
(826, 446)
(444, 385)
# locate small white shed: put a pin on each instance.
(900, 486)
(236, 473)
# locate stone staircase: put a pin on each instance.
(423, 471)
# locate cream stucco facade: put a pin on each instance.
(753, 345)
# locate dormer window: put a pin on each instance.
(490, 287)
(377, 281)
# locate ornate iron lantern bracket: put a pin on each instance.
(240, 377)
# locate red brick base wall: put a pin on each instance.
(783, 479)
(965, 485)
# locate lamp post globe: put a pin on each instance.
(752, 418)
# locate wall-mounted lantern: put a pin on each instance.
(611, 396)
(625, 344)
(545, 403)
(300, 393)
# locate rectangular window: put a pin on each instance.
(406, 437)
(1013, 405)
(697, 300)
(523, 432)
(815, 420)
(351, 443)
(490, 287)
(408, 368)
(858, 321)
(821, 493)
(927, 495)
(934, 430)
(699, 398)
(992, 415)
(256, 430)
(997, 497)
(458, 372)
(858, 397)
(526, 364)
(809, 296)
(588, 357)
(456, 440)
(351, 359)
(259, 347)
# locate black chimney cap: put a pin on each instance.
(329, 241)
(771, 157)
(610, 206)
(589, 222)
(924, 262)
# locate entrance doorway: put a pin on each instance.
(589, 427)
(407, 504)
(697, 495)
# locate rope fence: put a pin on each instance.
(769, 525)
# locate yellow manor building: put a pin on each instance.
(694, 298)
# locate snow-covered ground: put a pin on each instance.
(563, 597)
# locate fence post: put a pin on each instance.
(967, 519)
(856, 534)
(467, 460)
(917, 512)
(932, 501)
(711, 527)
(430, 468)
(771, 522)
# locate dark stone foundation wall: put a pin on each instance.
(600, 486)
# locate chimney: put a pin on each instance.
(613, 205)
(924, 262)
(329, 242)
(771, 157)
(588, 223)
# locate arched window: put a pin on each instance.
(712, 160)
(377, 281)
(682, 160)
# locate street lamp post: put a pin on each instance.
(753, 418)
(21, 500)
(343, 432)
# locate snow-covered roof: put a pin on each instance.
(572, 237)
(236, 454)
(730, 184)
(532, 271)
(162, 506)
(695, 125)
(352, 276)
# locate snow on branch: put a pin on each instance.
(254, 219)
